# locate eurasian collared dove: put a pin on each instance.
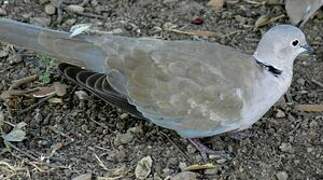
(299, 11)
(196, 88)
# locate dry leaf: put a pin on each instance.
(44, 92)
(196, 167)
(143, 168)
(262, 21)
(60, 88)
(265, 19)
(16, 134)
(87, 176)
(55, 101)
(195, 32)
(309, 107)
(57, 88)
(203, 33)
(216, 4)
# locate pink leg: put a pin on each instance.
(205, 150)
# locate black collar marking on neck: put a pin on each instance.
(270, 68)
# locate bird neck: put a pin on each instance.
(276, 67)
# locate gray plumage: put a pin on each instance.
(195, 88)
(300, 11)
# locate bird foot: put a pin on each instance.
(241, 135)
(205, 151)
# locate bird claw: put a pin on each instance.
(205, 151)
(241, 135)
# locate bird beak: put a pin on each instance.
(307, 49)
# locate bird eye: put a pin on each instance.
(295, 42)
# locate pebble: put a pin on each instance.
(40, 21)
(75, 8)
(124, 116)
(87, 176)
(3, 12)
(50, 9)
(82, 95)
(116, 172)
(94, 3)
(70, 22)
(280, 114)
(301, 81)
(212, 171)
(123, 138)
(286, 147)
(4, 53)
(43, 1)
(143, 168)
(282, 175)
(185, 175)
(182, 165)
(190, 149)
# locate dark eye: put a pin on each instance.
(295, 43)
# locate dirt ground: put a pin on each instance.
(75, 135)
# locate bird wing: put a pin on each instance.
(191, 87)
(97, 84)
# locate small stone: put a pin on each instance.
(220, 161)
(14, 59)
(137, 130)
(123, 138)
(40, 21)
(3, 12)
(286, 147)
(55, 101)
(190, 149)
(182, 165)
(87, 176)
(75, 8)
(185, 175)
(70, 22)
(212, 171)
(82, 95)
(120, 156)
(4, 53)
(43, 1)
(170, 1)
(116, 172)
(157, 177)
(273, 2)
(313, 124)
(94, 3)
(60, 88)
(116, 31)
(124, 116)
(301, 81)
(143, 168)
(280, 114)
(240, 19)
(50, 9)
(282, 175)
(309, 149)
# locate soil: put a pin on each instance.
(83, 135)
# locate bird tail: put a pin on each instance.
(79, 51)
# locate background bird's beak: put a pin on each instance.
(307, 49)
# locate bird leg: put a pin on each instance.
(241, 135)
(204, 150)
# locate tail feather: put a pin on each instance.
(79, 51)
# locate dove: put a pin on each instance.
(197, 88)
(300, 11)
